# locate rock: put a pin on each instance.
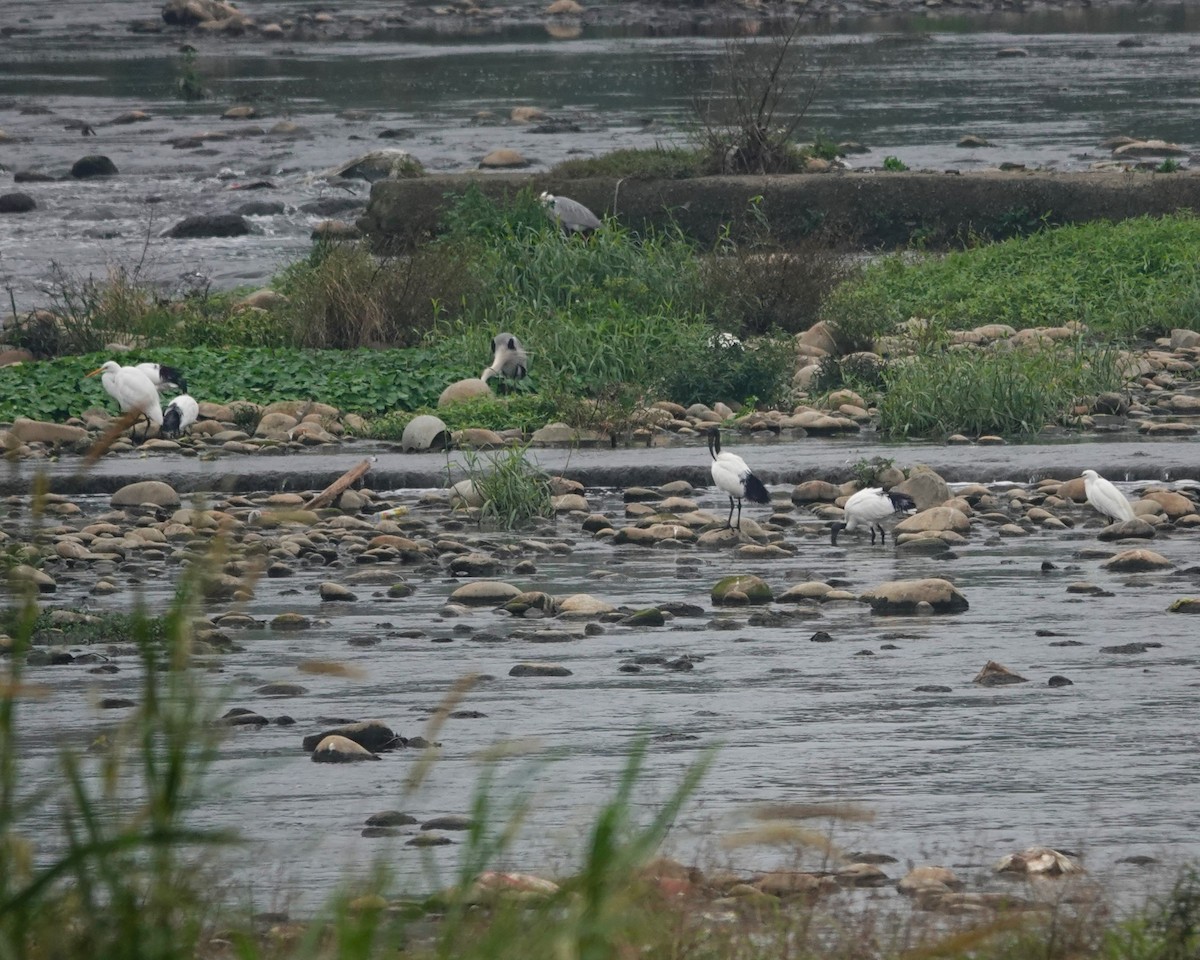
(464, 493)
(1136, 528)
(1137, 561)
(1148, 148)
(532, 600)
(425, 432)
(582, 605)
(1038, 861)
(925, 487)
(815, 491)
(371, 735)
(1175, 505)
(93, 166)
(16, 203)
(334, 592)
(145, 491)
(920, 879)
(241, 111)
(935, 519)
(335, 749)
(1181, 338)
(973, 140)
(906, 596)
(281, 689)
(741, 588)
(503, 159)
(821, 336)
(451, 821)
(36, 431)
(1058, 680)
(1185, 605)
(391, 164)
(526, 114)
(391, 818)
(210, 225)
(650, 617)
(22, 573)
(539, 670)
(290, 621)
(260, 208)
(485, 593)
(995, 674)
(189, 13)
(462, 390)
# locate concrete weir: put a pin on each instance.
(867, 210)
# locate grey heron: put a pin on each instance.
(871, 507)
(731, 474)
(509, 359)
(570, 214)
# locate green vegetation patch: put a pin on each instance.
(654, 163)
(1139, 276)
(1011, 392)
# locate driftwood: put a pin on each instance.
(339, 486)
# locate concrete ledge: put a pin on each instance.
(867, 210)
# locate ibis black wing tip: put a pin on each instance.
(902, 501)
(755, 491)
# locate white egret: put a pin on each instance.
(509, 359)
(1105, 497)
(731, 474)
(871, 506)
(180, 414)
(162, 376)
(132, 390)
(569, 214)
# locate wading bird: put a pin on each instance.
(871, 507)
(132, 390)
(730, 473)
(1105, 497)
(509, 359)
(570, 214)
(163, 376)
(180, 414)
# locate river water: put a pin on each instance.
(1104, 767)
(905, 88)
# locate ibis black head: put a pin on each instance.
(714, 441)
(837, 527)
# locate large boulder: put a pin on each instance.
(462, 390)
(741, 588)
(146, 491)
(93, 166)
(391, 164)
(909, 596)
(16, 203)
(491, 593)
(210, 225)
(935, 519)
(188, 13)
(1137, 561)
(37, 431)
(372, 735)
(925, 487)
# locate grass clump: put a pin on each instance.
(1134, 277)
(513, 491)
(731, 371)
(519, 411)
(1011, 392)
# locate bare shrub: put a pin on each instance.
(749, 126)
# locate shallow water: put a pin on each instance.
(905, 88)
(1104, 767)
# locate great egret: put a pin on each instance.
(162, 376)
(570, 214)
(1105, 497)
(180, 414)
(730, 473)
(509, 359)
(132, 390)
(871, 506)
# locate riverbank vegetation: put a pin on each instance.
(619, 320)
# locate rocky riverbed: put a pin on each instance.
(1008, 628)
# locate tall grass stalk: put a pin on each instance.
(514, 492)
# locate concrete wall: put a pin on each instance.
(867, 210)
